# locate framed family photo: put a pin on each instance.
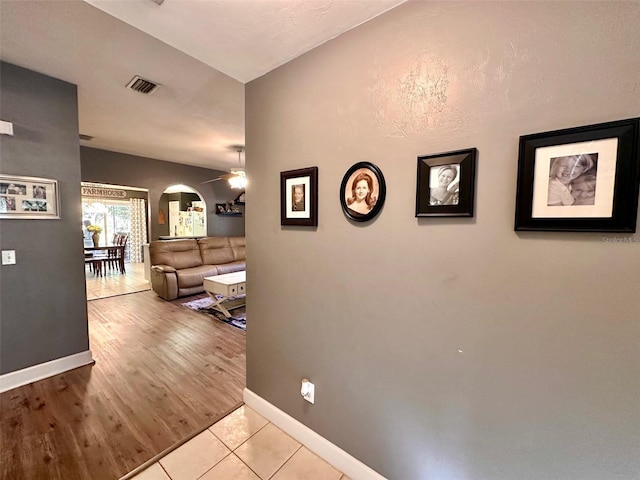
(299, 197)
(362, 192)
(446, 184)
(28, 197)
(582, 179)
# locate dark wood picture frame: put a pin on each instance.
(365, 209)
(299, 211)
(445, 185)
(583, 179)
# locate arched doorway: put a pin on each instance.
(183, 211)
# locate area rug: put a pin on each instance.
(238, 316)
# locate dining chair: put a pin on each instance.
(115, 256)
(121, 252)
(94, 262)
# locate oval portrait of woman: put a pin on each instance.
(362, 192)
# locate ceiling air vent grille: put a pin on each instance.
(141, 85)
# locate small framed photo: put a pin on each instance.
(28, 197)
(446, 184)
(362, 192)
(582, 179)
(299, 197)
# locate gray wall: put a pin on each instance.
(447, 348)
(103, 166)
(43, 311)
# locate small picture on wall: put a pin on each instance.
(446, 184)
(7, 204)
(572, 180)
(362, 192)
(34, 206)
(299, 197)
(13, 188)
(40, 192)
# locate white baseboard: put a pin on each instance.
(12, 380)
(335, 456)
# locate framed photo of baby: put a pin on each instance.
(299, 197)
(362, 192)
(446, 184)
(580, 179)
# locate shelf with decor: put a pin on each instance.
(226, 210)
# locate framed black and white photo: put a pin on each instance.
(362, 192)
(299, 197)
(580, 179)
(28, 197)
(446, 184)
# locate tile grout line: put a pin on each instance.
(250, 436)
(287, 460)
(233, 452)
(165, 471)
(217, 463)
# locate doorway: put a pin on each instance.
(112, 216)
(186, 213)
(120, 215)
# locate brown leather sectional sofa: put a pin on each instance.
(178, 267)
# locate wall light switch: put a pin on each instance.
(8, 257)
(6, 128)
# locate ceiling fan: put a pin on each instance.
(238, 177)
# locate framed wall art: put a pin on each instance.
(362, 192)
(299, 197)
(28, 197)
(583, 179)
(446, 184)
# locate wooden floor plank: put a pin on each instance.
(162, 373)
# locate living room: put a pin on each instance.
(440, 347)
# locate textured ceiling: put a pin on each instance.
(201, 52)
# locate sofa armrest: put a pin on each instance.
(163, 269)
(164, 281)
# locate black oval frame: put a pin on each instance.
(381, 194)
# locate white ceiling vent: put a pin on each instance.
(141, 85)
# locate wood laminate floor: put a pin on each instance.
(162, 374)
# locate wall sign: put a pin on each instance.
(103, 192)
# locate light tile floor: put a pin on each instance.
(241, 446)
(115, 283)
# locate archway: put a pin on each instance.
(182, 212)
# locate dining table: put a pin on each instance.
(115, 249)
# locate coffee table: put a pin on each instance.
(228, 285)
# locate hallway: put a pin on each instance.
(162, 373)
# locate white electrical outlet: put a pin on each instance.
(308, 390)
(8, 257)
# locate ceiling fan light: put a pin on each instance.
(239, 180)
